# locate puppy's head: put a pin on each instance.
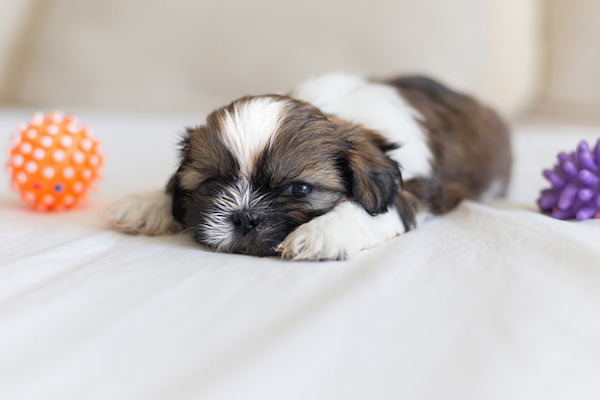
(264, 165)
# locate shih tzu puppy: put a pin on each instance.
(340, 164)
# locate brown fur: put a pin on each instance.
(470, 144)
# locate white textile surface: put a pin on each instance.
(489, 302)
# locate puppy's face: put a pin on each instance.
(262, 166)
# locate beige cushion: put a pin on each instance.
(182, 54)
(15, 26)
(574, 55)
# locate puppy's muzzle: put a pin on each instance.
(245, 221)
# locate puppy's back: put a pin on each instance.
(469, 141)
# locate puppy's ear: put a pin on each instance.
(174, 187)
(373, 177)
(178, 196)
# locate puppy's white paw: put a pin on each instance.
(324, 238)
(148, 214)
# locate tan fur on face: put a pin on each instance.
(205, 154)
(305, 148)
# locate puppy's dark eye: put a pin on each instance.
(298, 190)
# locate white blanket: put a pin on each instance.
(489, 302)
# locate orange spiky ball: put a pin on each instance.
(54, 162)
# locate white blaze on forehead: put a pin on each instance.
(250, 127)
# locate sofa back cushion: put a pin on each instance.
(186, 53)
(574, 59)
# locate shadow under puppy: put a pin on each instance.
(341, 164)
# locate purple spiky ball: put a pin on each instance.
(575, 180)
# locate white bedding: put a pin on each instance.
(489, 302)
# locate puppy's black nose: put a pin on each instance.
(245, 221)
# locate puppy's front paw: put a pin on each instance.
(324, 238)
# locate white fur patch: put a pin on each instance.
(374, 106)
(340, 233)
(250, 128)
(218, 228)
(148, 213)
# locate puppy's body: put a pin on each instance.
(451, 148)
(341, 164)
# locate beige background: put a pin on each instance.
(187, 54)
(573, 84)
